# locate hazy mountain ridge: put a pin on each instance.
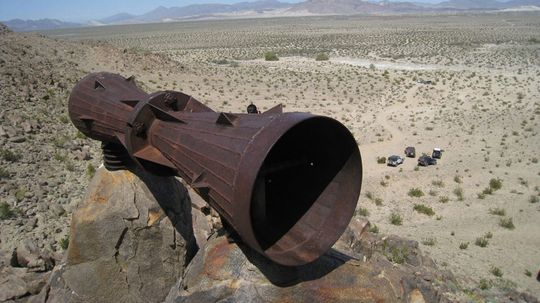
(20, 25)
(275, 8)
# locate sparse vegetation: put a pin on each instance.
(423, 209)
(64, 243)
(458, 191)
(362, 212)
(5, 211)
(429, 241)
(270, 56)
(507, 223)
(497, 272)
(463, 245)
(415, 192)
(322, 57)
(497, 211)
(481, 241)
(396, 219)
(381, 160)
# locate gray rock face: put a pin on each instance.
(124, 245)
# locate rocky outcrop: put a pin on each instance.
(231, 272)
(131, 239)
(4, 29)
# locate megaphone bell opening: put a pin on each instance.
(294, 176)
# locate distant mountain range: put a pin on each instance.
(269, 8)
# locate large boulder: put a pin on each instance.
(231, 272)
(131, 239)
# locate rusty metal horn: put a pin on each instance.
(288, 183)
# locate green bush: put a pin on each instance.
(4, 174)
(458, 191)
(497, 272)
(495, 184)
(362, 212)
(507, 223)
(8, 155)
(90, 170)
(497, 211)
(426, 210)
(396, 219)
(481, 241)
(270, 56)
(381, 160)
(5, 211)
(322, 57)
(64, 243)
(415, 192)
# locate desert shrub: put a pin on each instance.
(429, 241)
(322, 57)
(458, 191)
(457, 179)
(374, 229)
(438, 183)
(381, 160)
(507, 223)
(533, 199)
(484, 284)
(415, 192)
(362, 212)
(90, 170)
(495, 184)
(487, 191)
(64, 243)
(370, 195)
(497, 211)
(270, 56)
(488, 235)
(8, 155)
(497, 272)
(426, 210)
(481, 241)
(378, 201)
(444, 199)
(4, 174)
(396, 219)
(528, 273)
(463, 245)
(5, 211)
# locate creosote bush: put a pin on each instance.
(5, 211)
(270, 56)
(507, 223)
(495, 184)
(322, 57)
(423, 209)
(396, 219)
(415, 192)
(481, 241)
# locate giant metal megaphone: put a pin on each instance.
(288, 183)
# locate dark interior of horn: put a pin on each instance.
(297, 170)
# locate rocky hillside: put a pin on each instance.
(45, 163)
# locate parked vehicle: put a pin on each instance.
(437, 153)
(395, 160)
(410, 151)
(426, 160)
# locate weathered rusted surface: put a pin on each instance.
(288, 183)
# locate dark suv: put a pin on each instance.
(426, 160)
(410, 151)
